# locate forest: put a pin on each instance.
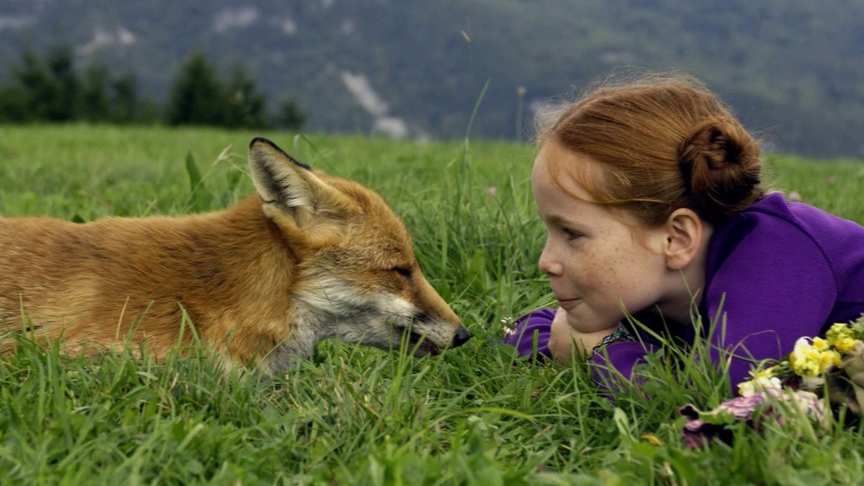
(50, 89)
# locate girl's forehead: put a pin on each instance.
(561, 176)
(574, 173)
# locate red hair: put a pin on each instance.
(663, 144)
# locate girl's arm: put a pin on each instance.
(530, 333)
(533, 332)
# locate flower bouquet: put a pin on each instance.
(834, 365)
(818, 368)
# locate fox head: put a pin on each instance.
(356, 275)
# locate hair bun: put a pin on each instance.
(719, 162)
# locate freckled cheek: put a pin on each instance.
(591, 275)
(598, 275)
(608, 281)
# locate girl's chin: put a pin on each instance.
(577, 323)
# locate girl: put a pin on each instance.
(651, 197)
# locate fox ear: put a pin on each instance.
(291, 188)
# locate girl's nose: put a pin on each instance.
(549, 264)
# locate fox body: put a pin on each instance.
(308, 257)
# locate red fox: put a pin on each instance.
(310, 256)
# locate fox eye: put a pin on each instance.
(402, 271)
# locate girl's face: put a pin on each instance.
(598, 266)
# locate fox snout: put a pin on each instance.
(425, 337)
(435, 326)
(460, 337)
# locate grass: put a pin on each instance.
(354, 415)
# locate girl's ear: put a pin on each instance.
(685, 231)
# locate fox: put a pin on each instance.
(307, 256)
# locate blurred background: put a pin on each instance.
(792, 70)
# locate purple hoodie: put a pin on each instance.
(775, 272)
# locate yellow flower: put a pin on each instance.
(811, 358)
(845, 346)
(840, 337)
(761, 381)
(838, 331)
(819, 344)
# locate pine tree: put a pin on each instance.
(63, 85)
(34, 87)
(124, 93)
(245, 105)
(290, 116)
(95, 104)
(197, 96)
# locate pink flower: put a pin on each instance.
(704, 427)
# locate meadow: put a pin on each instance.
(354, 415)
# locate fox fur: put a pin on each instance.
(309, 257)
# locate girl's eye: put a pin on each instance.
(572, 234)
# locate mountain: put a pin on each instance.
(791, 69)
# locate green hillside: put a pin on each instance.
(792, 70)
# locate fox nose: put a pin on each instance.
(460, 337)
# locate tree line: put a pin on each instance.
(49, 88)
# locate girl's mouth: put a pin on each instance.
(567, 303)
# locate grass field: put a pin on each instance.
(354, 415)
